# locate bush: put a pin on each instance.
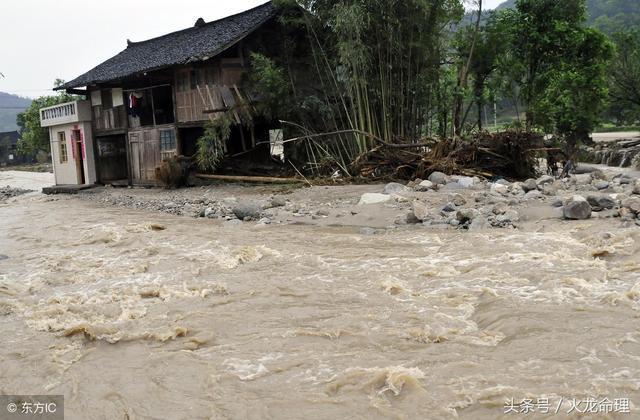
(212, 146)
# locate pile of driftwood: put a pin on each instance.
(510, 154)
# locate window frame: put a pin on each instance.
(62, 148)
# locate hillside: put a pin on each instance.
(10, 107)
(607, 15)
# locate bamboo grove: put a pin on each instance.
(374, 72)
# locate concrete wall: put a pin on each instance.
(67, 173)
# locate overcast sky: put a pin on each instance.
(41, 40)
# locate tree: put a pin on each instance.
(34, 138)
(488, 47)
(625, 76)
(559, 64)
(577, 91)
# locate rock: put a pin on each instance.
(632, 203)
(577, 210)
(601, 185)
(599, 175)
(374, 198)
(544, 180)
(412, 219)
(367, 231)
(449, 208)
(557, 203)
(500, 208)
(439, 178)
(479, 223)
(467, 181)
(584, 169)
(247, 211)
(626, 179)
(529, 185)
(424, 186)
(499, 188)
(170, 205)
(533, 195)
(264, 221)
(466, 215)
(626, 214)
(394, 188)
(420, 211)
(3, 257)
(210, 213)
(278, 201)
(551, 189)
(452, 186)
(636, 188)
(508, 217)
(457, 200)
(323, 213)
(582, 179)
(503, 182)
(601, 202)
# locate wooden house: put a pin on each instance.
(151, 101)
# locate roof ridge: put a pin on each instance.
(253, 9)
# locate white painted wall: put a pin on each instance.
(66, 173)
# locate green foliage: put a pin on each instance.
(33, 137)
(559, 65)
(609, 16)
(268, 82)
(577, 90)
(212, 146)
(625, 77)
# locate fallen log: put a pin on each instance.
(251, 179)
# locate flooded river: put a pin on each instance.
(134, 315)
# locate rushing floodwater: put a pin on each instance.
(203, 320)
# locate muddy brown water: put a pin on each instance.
(144, 316)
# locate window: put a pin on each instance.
(167, 140)
(62, 144)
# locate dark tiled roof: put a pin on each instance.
(192, 44)
(13, 137)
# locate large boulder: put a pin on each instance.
(533, 195)
(544, 180)
(457, 199)
(499, 188)
(395, 188)
(529, 185)
(466, 215)
(626, 179)
(466, 181)
(425, 186)
(601, 202)
(374, 198)
(633, 204)
(420, 211)
(247, 211)
(577, 208)
(439, 178)
(601, 185)
(582, 179)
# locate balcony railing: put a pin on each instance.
(67, 113)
